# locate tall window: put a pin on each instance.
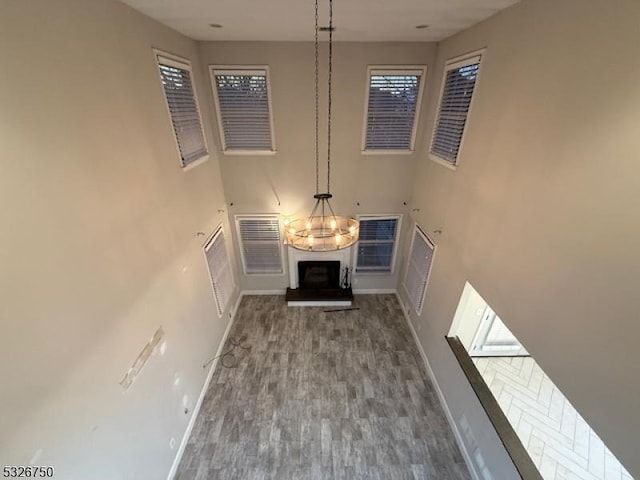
(418, 268)
(392, 107)
(243, 106)
(215, 252)
(179, 92)
(377, 244)
(260, 244)
(460, 77)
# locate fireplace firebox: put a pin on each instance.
(317, 275)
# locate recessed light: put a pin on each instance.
(215, 25)
(421, 27)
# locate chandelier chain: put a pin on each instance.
(317, 109)
(329, 96)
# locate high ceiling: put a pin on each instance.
(293, 20)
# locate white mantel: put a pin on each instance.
(344, 256)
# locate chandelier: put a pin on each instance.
(322, 230)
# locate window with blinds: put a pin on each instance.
(219, 265)
(392, 107)
(459, 83)
(243, 106)
(260, 244)
(376, 244)
(179, 92)
(418, 268)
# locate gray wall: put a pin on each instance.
(541, 214)
(378, 182)
(98, 242)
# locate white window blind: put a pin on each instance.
(418, 268)
(244, 109)
(220, 270)
(179, 93)
(260, 244)
(376, 244)
(392, 106)
(457, 91)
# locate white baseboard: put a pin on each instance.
(374, 291)
(454, 427)
(264, 292)
(203, 392)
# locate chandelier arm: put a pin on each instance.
(317, 107)
(313, 214)
(333, 215)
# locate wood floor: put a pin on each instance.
(322, 396)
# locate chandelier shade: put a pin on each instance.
(322, 230)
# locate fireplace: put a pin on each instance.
(316, 275)
(315, 278)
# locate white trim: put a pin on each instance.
(176, 61)
(419, 70)
(195, 163)
(249, 152)
(442, 162)
(264, 292)
(372, 273)
(203, 393)
(452, 63)
(374, 291)
(445, 406)
(387, 152)
(242, 70)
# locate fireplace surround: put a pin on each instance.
(315, 278)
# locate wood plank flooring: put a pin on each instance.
(322, 396)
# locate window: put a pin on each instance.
(244, 109)
(215, 252)
(260, 244)
(418, 268)
(376, 244)
(392, 106)
(460, 77)
(179, 92)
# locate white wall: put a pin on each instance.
(378, 182)
(98, 242)
(541, 214)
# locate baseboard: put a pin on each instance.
(203, 392)
(363, 291)
(264, 292)
(374, 291)
(454, 427)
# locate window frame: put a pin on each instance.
(451, 64)
(420, 70)
(368, 273)
(242, 70)
(262, 216)
(417, 229)
(182, 63)
(210, 241)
